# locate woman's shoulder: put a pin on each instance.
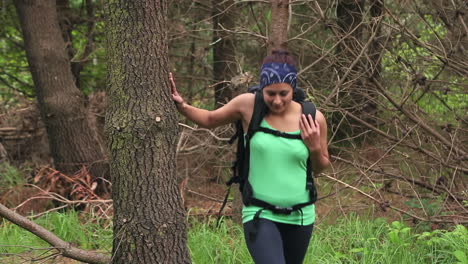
(243, 101)
(245, 97)
(320, 117)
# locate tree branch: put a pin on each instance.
(418, 121)
(65, 248)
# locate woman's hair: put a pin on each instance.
(280, 56)
(279, 67)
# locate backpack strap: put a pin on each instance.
(240, 167)
(278, 133)
(259, 111)
(308, 108)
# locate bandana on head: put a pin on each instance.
(278, 73)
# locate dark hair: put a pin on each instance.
(279, 56)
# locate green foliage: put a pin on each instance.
(432, 208)
(209, 244)
(14, 72)
(350, 240)
(84, 232)
(410, 58)
(361, 241)
(93, 75)
(15, 76)
(268, 16)
(461, 256)
(10, 176)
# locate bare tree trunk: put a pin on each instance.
(279, 25)
(62, 105)
(224, 64)
(141, 131)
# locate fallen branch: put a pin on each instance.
(65, 248)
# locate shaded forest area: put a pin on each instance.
(390, 76)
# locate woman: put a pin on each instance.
(278, 169)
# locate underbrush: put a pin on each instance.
(81, 231)
(10, 176)
(350, 240)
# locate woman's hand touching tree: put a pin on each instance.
(175, 95)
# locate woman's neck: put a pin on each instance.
(290, 109)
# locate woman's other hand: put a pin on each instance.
(310, 133)
(314, 135)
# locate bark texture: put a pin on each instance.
(279, 25)
(142, 132)
(62, 105)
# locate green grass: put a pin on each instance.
(10, 176)
(361, 241)
(224, 244)
(83, 232)
(350, 240)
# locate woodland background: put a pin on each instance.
(390, 77)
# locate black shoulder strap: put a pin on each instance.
(309, 108)
(259, 111)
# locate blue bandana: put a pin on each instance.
(278, 73)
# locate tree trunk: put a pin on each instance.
(142, 132)
(72, 142)
(224, 64)
(279, 25)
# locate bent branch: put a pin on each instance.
(65, 248)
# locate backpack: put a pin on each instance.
(240, 166)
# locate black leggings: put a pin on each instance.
(277, 243)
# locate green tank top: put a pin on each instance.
(277, 173)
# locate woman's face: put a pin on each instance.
(278, 96)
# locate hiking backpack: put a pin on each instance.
(241, 165)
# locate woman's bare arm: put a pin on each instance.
(232, 111)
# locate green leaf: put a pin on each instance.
(461, 256)
(355, 250)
